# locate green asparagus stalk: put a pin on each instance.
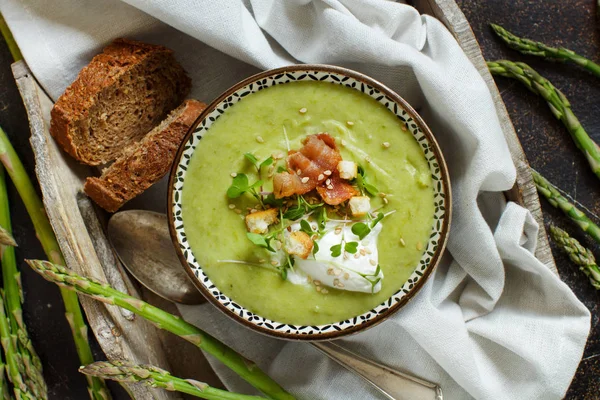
(4, 391)
(157, 377)
(45, 234)
(530, 47)
(557, 200)
(246, 369)
(558, 103)
(10, 41)
(13, 296)
(580, 255)
(14, 362)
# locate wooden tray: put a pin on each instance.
(79, 226)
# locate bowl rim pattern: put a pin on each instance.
(393, 102)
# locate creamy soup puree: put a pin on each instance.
(266, 125)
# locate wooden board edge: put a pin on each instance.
(524, 191)
(119, 336)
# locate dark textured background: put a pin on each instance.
(546, 142)
(548, 147)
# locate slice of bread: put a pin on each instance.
(116, 99)
(145, 162)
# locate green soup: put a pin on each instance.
(263, 124)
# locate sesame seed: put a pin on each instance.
(274, 262)
(403, 127)
(343, 142)
(363, 252)
(337, 272)
(238, 211)
(318, 288)
(330, 187)
(402, 242)
(278, 156)
(330, 271)
(305, 179)
(356, 255)
(231, 206)
(316, 282)
(303, 110)
(314, 227)
(328, 172)
(368, 159)
(372, 262)
(328, 182)
(345, 255)
(299, 172)
(336, 282)
(253, 210)
(368, 251)
(385, 200)
(321, 177)
(386, 144)
(324, 291)
(346, 276)
(233, 174)
(419, 246)
(262, 261)
(349, 123)
(278, 245)
(340, 285)
(338, 230)
(259, 139)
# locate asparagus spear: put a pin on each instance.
(162, 319)
(4, 391)
(45, 234)
(14, 362)
(157, 377)
(554, 197)
(558, 103)
(578, 254)
(13, 296)
(533, 48)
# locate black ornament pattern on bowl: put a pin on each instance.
(382, 98)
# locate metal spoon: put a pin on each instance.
(142, 242)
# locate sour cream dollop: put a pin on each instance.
(356, 272)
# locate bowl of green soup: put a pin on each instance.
(309, 202)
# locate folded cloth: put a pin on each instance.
(492, 322)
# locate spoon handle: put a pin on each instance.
(394, 385)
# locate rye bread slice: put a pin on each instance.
(117, 98)
(145, 162)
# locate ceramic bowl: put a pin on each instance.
(382, 94)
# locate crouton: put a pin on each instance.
(259, 221)
(359, 205)
(347, 169)
(299, 244)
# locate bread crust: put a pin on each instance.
(104, 71)
(145, 162)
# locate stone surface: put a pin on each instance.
(547, 144)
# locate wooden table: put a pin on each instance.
(546, 143)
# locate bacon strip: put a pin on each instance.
(340, 192)
(318, 155)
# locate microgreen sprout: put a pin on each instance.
(241, 185)
(302, 208)
(363, 185)
(362, 229)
